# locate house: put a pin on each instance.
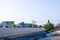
(7, 23)
(26, 25)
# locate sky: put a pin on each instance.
(28, 10)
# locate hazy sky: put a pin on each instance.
(28, 10)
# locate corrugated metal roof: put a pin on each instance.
(12, 32)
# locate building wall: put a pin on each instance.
(7, 23)
(26, 25)
(23, 25)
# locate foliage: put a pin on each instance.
(34, 26)
(1, 26)
(40, 26)
(49, 26)
(12, 26)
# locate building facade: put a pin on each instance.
(26, 25)
(7, 23)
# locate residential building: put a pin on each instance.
(26, 25)
(7, 23)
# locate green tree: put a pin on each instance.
(12, 26)
(40, 26)
(49, 26)
(35, 26)
(1, 26)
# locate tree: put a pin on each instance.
(1, 26)
(49, 26)
(12, 26)
(40, 26)
(35, 26)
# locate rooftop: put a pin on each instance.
(15, 32)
